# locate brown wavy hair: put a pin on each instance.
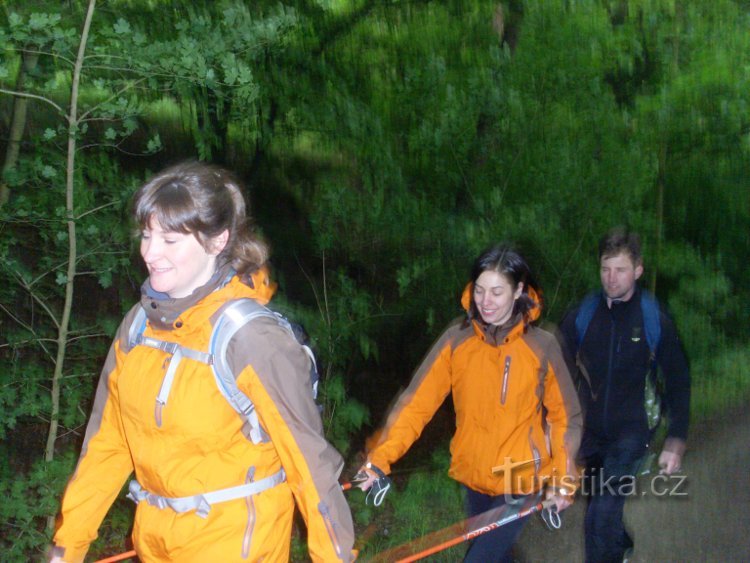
(204, 200)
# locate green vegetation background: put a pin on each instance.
(383, 144)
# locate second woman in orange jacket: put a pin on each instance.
(518, 421)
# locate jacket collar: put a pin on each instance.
(500, 334)
(513, 328)
(163, 311)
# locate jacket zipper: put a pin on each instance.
(247, 539)
(506, 376)
(535, 453)
(608, 381)
(330, 527)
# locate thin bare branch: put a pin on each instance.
(24, 342)
(40, 52)
(60, 110)
(87, 336)
(36, 339)
(112, 146)
(35, 297)
(114, 96)
(95, 209)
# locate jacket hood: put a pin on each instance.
(260, 282)
(533, 314)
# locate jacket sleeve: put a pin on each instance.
(103, 467)
(416, 406)
(674, 365)
(275, 374)
(564, 417)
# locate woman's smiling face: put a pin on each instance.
(178, 263)
(494, 297)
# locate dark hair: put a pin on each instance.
(620, 240)
(505, 260)
(204, 200)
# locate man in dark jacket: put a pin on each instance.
(613, 359)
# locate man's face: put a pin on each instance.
(619, 274)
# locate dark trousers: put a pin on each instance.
(497, 545)
(608, 481)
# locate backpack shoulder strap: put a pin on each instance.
(585, 314)
(651, 320)
(137, 327)
(234, 316)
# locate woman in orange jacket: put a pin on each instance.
(518, 421)
(205, 490)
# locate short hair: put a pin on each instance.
(621, 240)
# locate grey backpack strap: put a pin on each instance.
(236, 315)
(135, 333)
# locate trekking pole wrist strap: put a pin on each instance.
(376, 493)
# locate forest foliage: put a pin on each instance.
(383, 144)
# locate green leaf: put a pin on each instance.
(43, 21)
(122, 27)
(154, 144)
(130, 125)
(105, 279)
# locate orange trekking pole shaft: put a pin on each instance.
(460, 532)
(473, 533)
(119, 557)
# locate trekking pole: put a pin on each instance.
(473, 527)
(119, 557)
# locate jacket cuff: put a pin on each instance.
(380, 466)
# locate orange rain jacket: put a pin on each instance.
(518, 420)
(200, 446)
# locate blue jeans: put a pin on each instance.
(497, 545)
(608, 481)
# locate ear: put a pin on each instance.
(219, 242)
(519, 290)
(638, 271)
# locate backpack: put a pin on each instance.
(236, 314)
(652, 328)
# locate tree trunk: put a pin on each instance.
(17, 125)
(62, 334)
